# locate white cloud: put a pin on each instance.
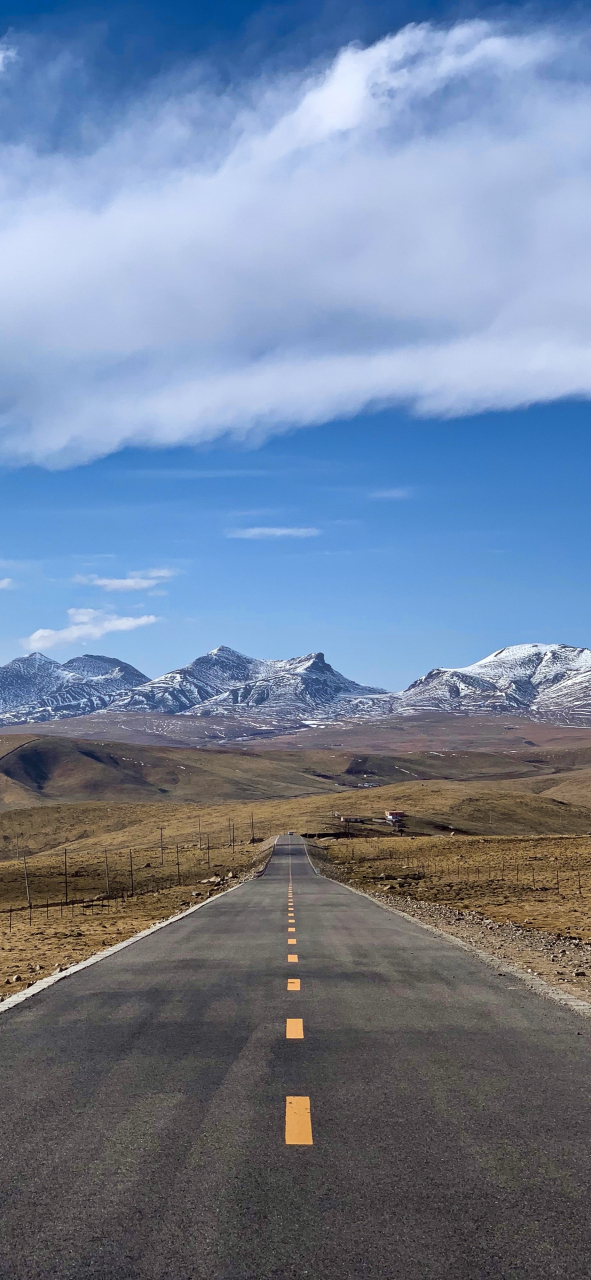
(396, 495)
(409, 224)
(6, 584)
(85, 624)
(142, 580)
(266, 532)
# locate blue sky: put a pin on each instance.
(295, 351)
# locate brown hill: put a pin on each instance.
(47, 769)
(41, 769)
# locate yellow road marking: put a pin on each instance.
(292, 942)
(294, 1029)
(291, 928)
(298, 1124)
(292, 959)
(293, 984)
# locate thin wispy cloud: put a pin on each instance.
(84, 624)
(191, 473)
(408, 224)
(395, 495)
(6, 584)
(261, 531)
(143, 580)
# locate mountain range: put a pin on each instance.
(540, 681)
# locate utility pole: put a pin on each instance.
(252, 828)
(208, 864)
(232, 839)
(161, 849)
(178, 866)
(131, 871)
(106, 875)
(199, 821)
(66, 873)
(27, 886)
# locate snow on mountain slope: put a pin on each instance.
(37, 688)
(540, 680)
(108, 674)
(227, 681)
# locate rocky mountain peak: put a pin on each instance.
(540, 681)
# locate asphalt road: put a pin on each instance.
(143, 1115)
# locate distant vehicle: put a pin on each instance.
(291, 833)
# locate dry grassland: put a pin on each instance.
(543, 882)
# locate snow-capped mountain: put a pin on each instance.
(36, 688)
(540, 681)
(225, 681)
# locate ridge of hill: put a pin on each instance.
(228, 681)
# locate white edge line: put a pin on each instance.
(510, 970)
(109, 951)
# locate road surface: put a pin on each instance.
(441, 1122)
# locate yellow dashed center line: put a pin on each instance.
(298, 1123)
